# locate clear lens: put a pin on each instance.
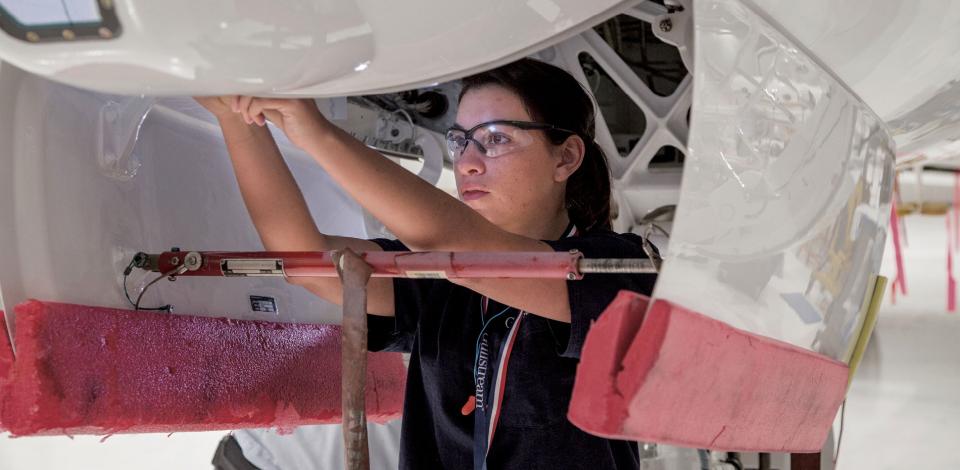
(496, 139)
(456, 142)
(500, 139)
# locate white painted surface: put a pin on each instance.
(310, 47)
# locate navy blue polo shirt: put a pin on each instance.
(520, 367)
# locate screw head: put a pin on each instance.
(192, 261)
(666, 25)
(175, 260)
(571, 277)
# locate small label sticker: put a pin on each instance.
(252, 267)
(426, 274)
(263, 304)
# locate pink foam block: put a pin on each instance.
(89, 370)
(685, 379)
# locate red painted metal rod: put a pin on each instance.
(418, 264)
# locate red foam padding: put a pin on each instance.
(685, 379)
(89, 370)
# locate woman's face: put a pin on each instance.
(514, 188)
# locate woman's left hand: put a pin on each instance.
(299, 119)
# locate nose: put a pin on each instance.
(471, 161)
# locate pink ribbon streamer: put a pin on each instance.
(956, 211)
(900, 280)
(951, 281)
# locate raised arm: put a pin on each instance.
(419, 214)
(278, 209)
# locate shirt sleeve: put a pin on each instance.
(410, 297)
(590, 296)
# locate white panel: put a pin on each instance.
(72, 219)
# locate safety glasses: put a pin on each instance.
(495, 138)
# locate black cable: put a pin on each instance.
(733, 458)
(836, 454)
(136, 305)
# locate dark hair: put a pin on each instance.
(551, 95)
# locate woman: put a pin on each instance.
(492, 360)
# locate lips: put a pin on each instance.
(473, 194)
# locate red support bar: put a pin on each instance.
(426, 264)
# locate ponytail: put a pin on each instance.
(588, 190)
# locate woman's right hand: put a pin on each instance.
(299, 119)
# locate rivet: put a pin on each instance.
(69, 35)
(32, 36)
(105, 33)
(666, 25)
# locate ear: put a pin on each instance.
(571, 153)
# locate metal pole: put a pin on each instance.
(354, 274)
(764, 458)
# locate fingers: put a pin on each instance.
(262, 108)
(252, 108)
(259, 110)
(244, 106)
(273, 116)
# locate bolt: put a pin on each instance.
(666, 25)
(571, 277)
(175, 260)
(32, 36)
(69, 35)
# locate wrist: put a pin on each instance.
(229, 117)
(319, 137)
(235, 129)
